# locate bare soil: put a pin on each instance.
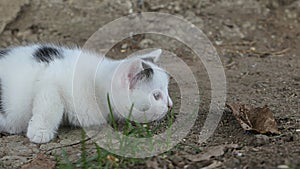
(257, 41)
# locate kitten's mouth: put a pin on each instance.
(160, 117)
(144, 109)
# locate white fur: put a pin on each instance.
(37, 97)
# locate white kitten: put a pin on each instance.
(42, 85)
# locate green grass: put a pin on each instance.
(107, 160)
(101, 160)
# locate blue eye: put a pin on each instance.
(157, 95)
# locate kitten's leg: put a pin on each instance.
(47, 114)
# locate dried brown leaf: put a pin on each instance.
(259, 119)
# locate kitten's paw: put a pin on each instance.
(40, 135)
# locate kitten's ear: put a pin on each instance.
(139, 71)
(152, 56)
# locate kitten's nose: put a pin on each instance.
(170, 108)
(170, 104)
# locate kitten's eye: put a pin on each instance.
(156, 95)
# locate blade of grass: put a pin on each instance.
(66, 160)
(83, 150)
(112, 119)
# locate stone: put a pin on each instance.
(9, 11)
(145, 43)
(260, 140)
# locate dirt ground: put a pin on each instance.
(258, 43)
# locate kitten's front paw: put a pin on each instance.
(40, 135)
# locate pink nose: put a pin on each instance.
(170, 103)
(170, 108)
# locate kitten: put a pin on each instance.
(43, 85)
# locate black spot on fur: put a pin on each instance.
(148, 71)
(144, 75)
(47, 54)
(1, 103)
(3, 52)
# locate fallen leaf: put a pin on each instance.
(214, 151)
(259, 119)
(40, 162)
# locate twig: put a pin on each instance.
(73, 144)
(69, 145)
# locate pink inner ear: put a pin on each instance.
(132, 82)
(130, 76)
(131, 85)
(134, 68)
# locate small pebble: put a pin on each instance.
(260, 140)
(282, 166)
(239, 154)
(145, 43)
(219, 42)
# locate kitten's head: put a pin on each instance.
(146, 87)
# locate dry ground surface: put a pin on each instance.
(258, 43)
